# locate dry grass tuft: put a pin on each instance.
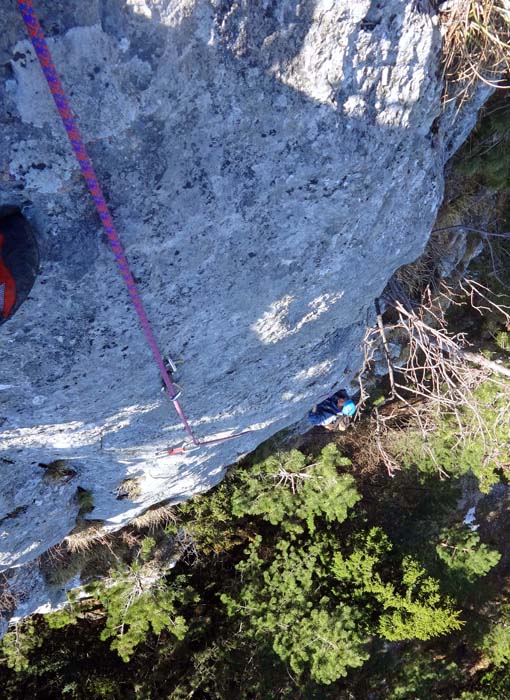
(86, 535)
(154, 517)
(89, 553)
(477, 45)
(129, 489)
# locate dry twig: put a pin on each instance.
(440, 376)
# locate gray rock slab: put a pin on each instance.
(268, 165)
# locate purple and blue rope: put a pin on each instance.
(69, 121)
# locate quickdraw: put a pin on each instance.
(189, 446)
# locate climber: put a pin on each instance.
(335, 413)
(7, 287)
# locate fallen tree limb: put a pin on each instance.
(482, 361)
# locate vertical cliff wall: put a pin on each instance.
(269, 165)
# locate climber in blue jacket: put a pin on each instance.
(334, 413)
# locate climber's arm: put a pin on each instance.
(9, 296)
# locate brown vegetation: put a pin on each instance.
(436, 375)
(477, 45)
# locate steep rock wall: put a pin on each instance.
(269, 165)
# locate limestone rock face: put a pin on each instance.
(268, 164)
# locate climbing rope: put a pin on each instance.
(43, 54)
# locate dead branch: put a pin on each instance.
(439, 371)
(487, 364)
(482, 299)
(391, 465)
(380, 326)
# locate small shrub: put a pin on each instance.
(18, 643)
(135, 606)
(85, 501)
(129, 488)
(502, 339)
(58, 470)
(147, 547)
(61, 618)
(495, 644)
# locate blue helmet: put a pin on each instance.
(349, 408)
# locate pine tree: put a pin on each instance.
(286, 601)
(134, 607)
(317, 591)
(465, 557)
(18, 643)
(409, 605)
(289, 491)
(495, 644)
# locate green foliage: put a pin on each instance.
(287, 490)
(208, 521)
(282, 601)
(303, 610)
(409, 607)
(319, 593)
(62, 618)
(147, 547)
(420, 677)
(420, 612)
(461, 450)
(460, 549)
(502, 340)
(85, 501)
(494, 684)
(327, 640)
(284, 598)
(135, 605)
(68, 615)
(97, 688)
(485, 155)
(495, 644)
(18, 643)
